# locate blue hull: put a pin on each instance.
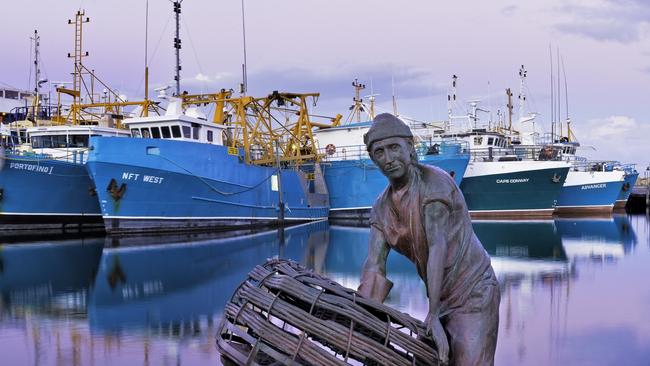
(588, 197)
(40, 193)
(626, 190)
(354, 185)
(536, 195)
(165, 185)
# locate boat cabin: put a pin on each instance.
(65, 142)
(178, 127)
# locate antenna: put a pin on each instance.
(146, 61)
(177, 45)
(392, 84)
(566, 98)
(559, 96)
(550, 52)
(244, 85)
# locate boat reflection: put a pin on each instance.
(47, 276)
(598, 239)
(178, 287)
(523, 250)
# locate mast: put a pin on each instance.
(78, 55)
(37, 75)
(392, 85)
(509, 94)
(550, 52)
(559, 96)
(37, 70)
(566, 98)
(523, 73)
(177, 45)
(451, 98)
(145, 111)
(244, 85)
(358, 87)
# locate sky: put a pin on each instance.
(411, 47)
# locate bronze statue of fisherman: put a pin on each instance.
(423, 216)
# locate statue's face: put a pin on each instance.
(392, 156)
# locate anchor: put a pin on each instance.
(116, 192)
(556, 178)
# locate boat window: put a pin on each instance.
(39, 142)
(59, 141)
(210, 136)
(186, 132)
(478, 140)
(155, 132)
(135, 132)
(195, 131)
(145, 132)
(490, 140)
(176, 131)
(165, 132)
(79, 141)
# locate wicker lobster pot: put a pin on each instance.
(285, 314)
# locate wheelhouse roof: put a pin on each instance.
(164, 120)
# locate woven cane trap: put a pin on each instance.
(285, 314)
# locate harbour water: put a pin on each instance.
(574, 290)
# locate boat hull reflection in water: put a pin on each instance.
(180, 286)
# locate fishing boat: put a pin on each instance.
(177, 173)
(500, 180)
(44, 183)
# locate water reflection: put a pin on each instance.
(48, 276)
(157, 300)
(601, 239)
(177, 286)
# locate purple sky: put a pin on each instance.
(321, 46)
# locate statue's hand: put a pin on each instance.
(437, 332)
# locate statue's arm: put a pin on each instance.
(436, 221)
(374, 283)
(437, 216)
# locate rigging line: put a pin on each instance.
(146, 32)
(250, 188)
(196, 57)
(31, 62)
(566, 89)
(155, 50)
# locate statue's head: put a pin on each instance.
(389, 142)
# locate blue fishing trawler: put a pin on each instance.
(44, 183)
(176, 174)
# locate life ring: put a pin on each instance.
(330, 149)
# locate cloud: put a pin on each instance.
(622, 21)
(614, 138)
(335, 83)
(409, 82)
(509, 10)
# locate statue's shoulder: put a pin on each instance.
(436, 178)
